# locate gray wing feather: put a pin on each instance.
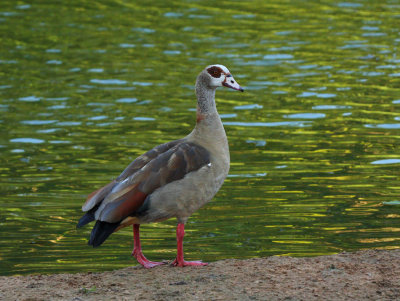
(171, 165)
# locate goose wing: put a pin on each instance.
(158, 167)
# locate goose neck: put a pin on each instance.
(205, 97)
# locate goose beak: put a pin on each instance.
(231, 83)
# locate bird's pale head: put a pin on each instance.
(220, 76)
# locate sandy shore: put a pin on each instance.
(364, 275)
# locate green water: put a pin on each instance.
(87, 86)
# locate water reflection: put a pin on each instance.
(305, 115)
(314, 141)
(386, 161)
(27, 140)
(269, 124)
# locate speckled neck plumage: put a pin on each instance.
(205, 96)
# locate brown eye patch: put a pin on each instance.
(215, 71)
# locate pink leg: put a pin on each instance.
(179, 261)
(137, 250)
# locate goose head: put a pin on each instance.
(220, 76)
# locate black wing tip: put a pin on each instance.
(101, 231)
(86, 219)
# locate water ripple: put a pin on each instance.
(319, 95)
(101, 117)
(173, 15)
(331, 107)
(266, 83)
(172, 52)
(57, 107)
(144, 118)
(59, 141)
(23, 6)
(249, 16)
(108, 81)
(143, 30)
(126, 45)
(279, 56)
(48, 131)
(29, 98)
(8, 62)
(383, 126)
(96, 70)
(386, 161)
(257, 142)
(54, 62)
(248, 107)
(306, 115)
(126, 100)
(69, 123)
(53, 50)
(370, 28)
(247, 175)
(349, 5)
(38, 122)
(56, 98)
(228, 115)
(143, 84)
(27, 140)
(305, 74)
(270, 124)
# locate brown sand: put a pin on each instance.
(364, 275)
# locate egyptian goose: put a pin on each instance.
(173, 179)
